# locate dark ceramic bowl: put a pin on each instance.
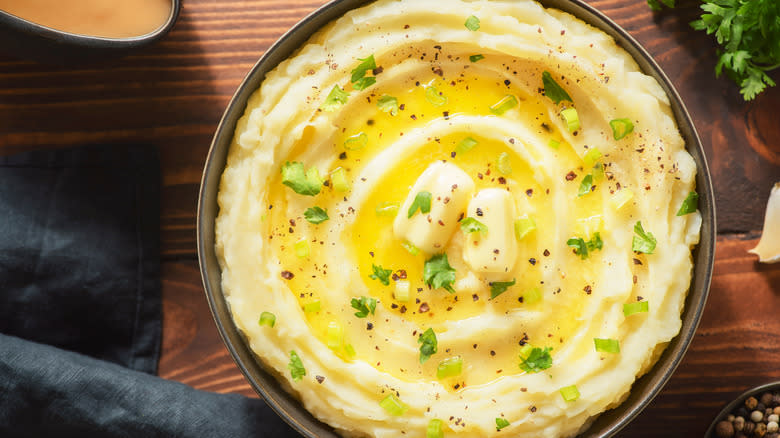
(29, 40)
(608, 423)
(737, 402)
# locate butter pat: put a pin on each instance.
(450, 189)
(493, 252)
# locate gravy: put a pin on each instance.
(101, 18)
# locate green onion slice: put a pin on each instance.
(335, 99)
(571, 118)
(434, 429)
(607, 345)
(591, 157)
(410, 248)
(449, 367)
(476, 58)
(621, 128)
(388, 104)
(504, 164)
(472, 23)
(585, 186)
(637, 307)
(267, 318)
(335, 335)
(501, 423)
(393, 405)
(570, 393)
(523, 226)
(553, 143)
(302, 248)
(387, 209)
(339, 179)
(505, 104)
(312, 307)
(532, 296)
(297, 371)
(435, 98)
(356, 142)
(471, 225)
(465, 145)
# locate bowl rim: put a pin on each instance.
(23, 25)
(644, 389)
(737, 401)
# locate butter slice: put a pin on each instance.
(496, 251)
(451, 189)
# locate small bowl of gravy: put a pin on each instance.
(66, 31)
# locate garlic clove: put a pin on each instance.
(768, 248)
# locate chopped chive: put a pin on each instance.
(450, 367)
(422, 201)
(267, 318)
(570, 393)
(532, 296)
(604, 345)
(501, 423)
(356, 142)
(476, 58)
(410, 248)
(571, 118)
(465, 145)
(402, 288)
(335, 335)
(526, 350)
(472, 23)
(689, 205)
(523, 226)
(393, 405)
(302, 248)
(435, 98)
(598, 172)
(505, 104)
(553, 143)
(591, 157)
(621, 128)
(434, 429)
(312, 307)
(637, 307)
(339, 179)
(350, 352)
(387, 209)
(504, 164)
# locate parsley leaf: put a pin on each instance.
(428, 345)
(689, 205)
(554, 91)
(472, 23)
(315, 215)
(656, 4)
(335, 99)
(585, 186)
(421, 201)
(364, 306)
(365, 65)
(537, 360)
(643, 241)
(501, 423)
(471, 225)
(437, 273)
(304, 183)
(595, 242)
(476, 58)
(388, 104)
(383, 275)
(364, 83)
(499, 287)
(297, 371)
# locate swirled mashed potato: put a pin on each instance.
(472, 216)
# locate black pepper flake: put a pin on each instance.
(424, 308)
(532, 261)
(637, 262)
(452, 154)
(532, 409)
(587, 289)
(403, 309)
(371, 253)
(402, 106)
(446, 115)
(492, 353)
(369, 326)
(287, 275)
(413, 117)
(506, 82)
(406, 26)
(320, 379)
(480, 176)
(529, 192)
(634, 279)
(546, 253)
(571, 176)
(479, 212)
(475, 297)
(378, 70)
(501, 180)
(393, 306)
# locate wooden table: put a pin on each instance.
(172, 95)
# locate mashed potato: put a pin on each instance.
(473, 216)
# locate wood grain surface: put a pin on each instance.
(172, 95)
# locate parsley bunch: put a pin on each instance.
(749, 33)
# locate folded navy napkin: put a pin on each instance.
(80, 306)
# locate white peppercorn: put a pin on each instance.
(773, 417)
(772, 426)
(739, 424)
(756, 416)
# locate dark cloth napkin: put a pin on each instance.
(80, 306)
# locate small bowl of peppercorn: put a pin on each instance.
(755, 413)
